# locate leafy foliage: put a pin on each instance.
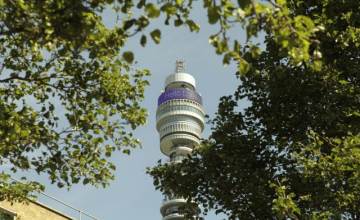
(68, 99)
(294, 152)
(69, 92)
(69, 95)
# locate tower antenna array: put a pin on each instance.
(180, 66)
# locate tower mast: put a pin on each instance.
(180, 122)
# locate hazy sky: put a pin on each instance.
(132, 195)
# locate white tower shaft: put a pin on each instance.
(180, 122)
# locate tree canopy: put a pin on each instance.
(70, 97)
(69, 94)
(294, 153)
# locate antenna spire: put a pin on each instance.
(180, 66)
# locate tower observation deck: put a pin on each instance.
(180, 122)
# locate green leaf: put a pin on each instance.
(243, 67)
(156, 35)
(143, 40)
(126, 151)
(255, 51)
(226, 59)
(129, 23)
(179, 2)
(213, 15)
(244, 3)
(152, 11)
(281, 2)
(86, 181)
(178, 22)
(169, 9)
(128, 56)
(193, 26)
(141, 4)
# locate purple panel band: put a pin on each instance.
(179, 93)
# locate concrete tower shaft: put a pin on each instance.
(180, 122)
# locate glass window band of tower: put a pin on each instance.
(171, 119)
(173, 104)
(179, 93)
(179, 105)
(174, 208)
(179, 153)
(171, 202)
(181, 127)
(168, 142)
(183, 111)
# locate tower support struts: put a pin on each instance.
(180, 122)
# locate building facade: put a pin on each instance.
(180, 122)
(29, 211)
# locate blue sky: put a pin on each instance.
(132, 195)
